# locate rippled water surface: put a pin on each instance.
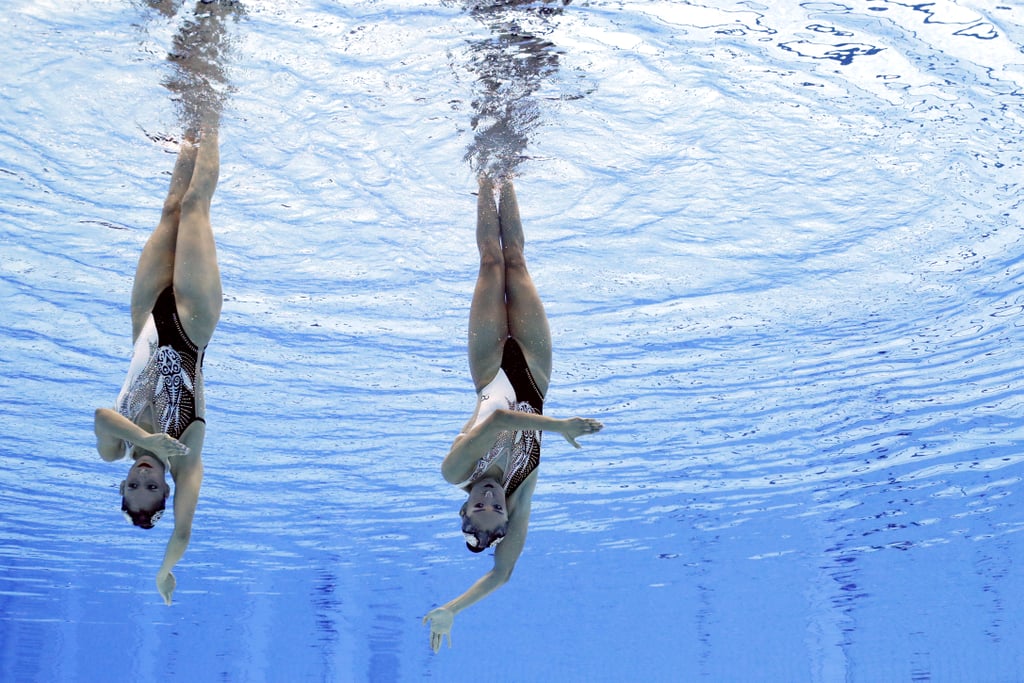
(781, 252)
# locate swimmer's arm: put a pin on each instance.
(188, 477)
(468, 448)
(570, 428)
(112, 429)
(506, 553)
(484, 586)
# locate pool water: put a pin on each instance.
(781, 252)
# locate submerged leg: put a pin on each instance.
(197, 285)
(155, 270)
(488, 324)
(527, 321)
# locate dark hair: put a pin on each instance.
(143, 518)
(484, 539)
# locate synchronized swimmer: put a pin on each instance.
(159, 421)
(496, 456)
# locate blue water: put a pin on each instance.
(781, 251)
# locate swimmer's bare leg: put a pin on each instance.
(527, 320)
(155, 270)
(197, 285)
(488, 325)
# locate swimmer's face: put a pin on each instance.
(145, 488)
(485, 508)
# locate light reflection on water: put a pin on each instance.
(781, 256)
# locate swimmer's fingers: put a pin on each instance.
(437, 640)
(164, 445)
(440, 626)
(579, 426)
(179, 448)
(166, 583)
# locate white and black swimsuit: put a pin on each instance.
(166, 373)
(513, 388)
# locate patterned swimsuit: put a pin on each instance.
(513, 388)
(165, 373)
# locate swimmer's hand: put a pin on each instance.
(163, 446)
(440, 626)
(166, 583)
(578, 426)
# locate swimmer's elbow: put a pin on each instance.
(448, 475)
(502, 570)
(109, 447)
(502, 575)
(459, 461)
(107, 455)
(501, 419)
(453, 470)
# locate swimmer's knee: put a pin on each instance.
(491, 258)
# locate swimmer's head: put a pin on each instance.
(484, 516)
(144, 492)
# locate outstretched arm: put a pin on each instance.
(442, 618)
(468, 448)
(113, 429)
(570, 428)
(505, 557)
(188, 477)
